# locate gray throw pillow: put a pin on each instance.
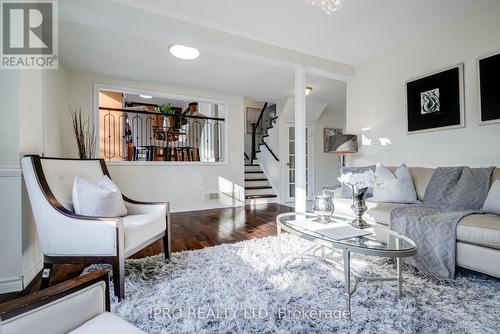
(471, 190)
(345, 190)
(394, 187)
(458, 188)
(492, 203)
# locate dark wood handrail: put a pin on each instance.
(254, 130)
(271, 151)
(142, 112)
(259, 119)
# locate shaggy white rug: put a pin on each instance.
(238, 288)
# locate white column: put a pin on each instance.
(300, 140)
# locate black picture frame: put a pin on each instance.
(489, 89)
(436, 101)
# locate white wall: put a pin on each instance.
(326, 165)
(30, 104)
(376, 98)
(182, 185)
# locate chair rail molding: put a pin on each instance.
(10, 171)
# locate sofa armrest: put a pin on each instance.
(54, 309)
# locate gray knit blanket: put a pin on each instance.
(452, 193)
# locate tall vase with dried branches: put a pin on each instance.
(84, 133)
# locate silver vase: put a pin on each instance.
(359, 207)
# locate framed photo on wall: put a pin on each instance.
(489, 89)
(436, 101)
(252, 115)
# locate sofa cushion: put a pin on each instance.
(106, 323)
(478, 229)
(140, 228)
(421, 177)
(381, 212)
(377, 212)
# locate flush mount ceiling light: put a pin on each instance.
(328, 6)
(145, 96)
(184, 52)
(308, 90)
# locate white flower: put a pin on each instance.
(367, 179)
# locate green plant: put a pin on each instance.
(166, 109)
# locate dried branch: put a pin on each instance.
(84, 133)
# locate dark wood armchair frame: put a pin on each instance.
(35, 300)
(118, 270)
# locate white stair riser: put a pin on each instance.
(255, 176)
(256, 183)
(252, 168)
(268, 191)
(261, 200)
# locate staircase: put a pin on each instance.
(257, 187)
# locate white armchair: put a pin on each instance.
(77, 306)
(66, 237)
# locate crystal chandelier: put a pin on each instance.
(328, 6)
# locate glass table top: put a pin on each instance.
(395, 245)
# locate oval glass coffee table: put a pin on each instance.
(338, 235)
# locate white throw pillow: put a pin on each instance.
(492, 203)
(101, 200)
(394, 187)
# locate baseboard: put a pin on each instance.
(207, 206)
(31, 273)
(11, 284)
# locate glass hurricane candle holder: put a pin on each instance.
(323, 207)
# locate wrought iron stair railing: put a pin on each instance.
(134, 135)
(260, 129)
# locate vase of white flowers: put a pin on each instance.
(359, 183)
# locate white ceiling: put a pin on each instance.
(248, 48)
(361, 30)
(93, 49)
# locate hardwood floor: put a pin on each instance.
(193, 230)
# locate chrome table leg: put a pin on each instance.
(399, 264)
(279, 244)
(347, 274)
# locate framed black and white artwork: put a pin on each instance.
(436, 101)
(489, 89)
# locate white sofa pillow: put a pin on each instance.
(394, 187)
(492, 202)
(101, 200)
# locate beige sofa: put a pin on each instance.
(478, 235)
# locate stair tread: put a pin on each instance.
(254, 172)
(258, 187)
(255, 180)
(260, 196)
(251, 165)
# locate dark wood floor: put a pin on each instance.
(193, 230)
